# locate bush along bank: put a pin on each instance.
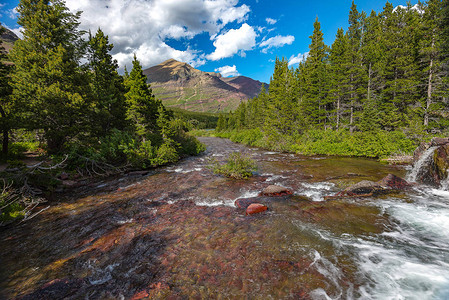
(380, 144)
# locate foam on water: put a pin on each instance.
(316, 191)
(275, 177)
(412, 261)
(184, 171)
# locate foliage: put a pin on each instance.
(47, 74)
(10, 208)
(196, 120)
(108, 106)
(143, 108)
(238, 166)
(341, 142)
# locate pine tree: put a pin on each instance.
(444, 29)
(354, 65)
(48, 85)
(372, 50)
(399, 65)
(221, 124)
(142, 105)
(107, 87)
(431, 56)
(314, 103)
(338, 75)
(5, 93)
(282, 104)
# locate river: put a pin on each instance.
(175, 234)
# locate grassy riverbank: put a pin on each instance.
(379, 144)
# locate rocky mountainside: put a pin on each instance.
(8, 38)
(180, 85)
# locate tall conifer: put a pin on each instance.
(48, 85)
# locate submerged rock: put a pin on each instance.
(276, 190)
(255, 208)
(363, 187)
(245, 202)
(393, 182)
(366, 188)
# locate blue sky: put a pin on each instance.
(230, 36)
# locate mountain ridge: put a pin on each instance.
(180, 85)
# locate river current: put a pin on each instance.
(175, 233)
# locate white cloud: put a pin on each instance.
(234, 41)
(228, 71)
(271, 21)
(277, 41)
(13, 13)
(142, 26)
(414, 7)
(293, 60)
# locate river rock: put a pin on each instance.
(255, 208)
(393, 182)
(363, 187)
(436, 141)
(276, 190)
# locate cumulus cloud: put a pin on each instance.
(142, 27)
(293, 60)
(234, 41)
(271, 21)
(13, 13)
(276, 42)
(228, 71)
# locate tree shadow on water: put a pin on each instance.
(108, 250)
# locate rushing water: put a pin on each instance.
(175, 233)
(422, 162)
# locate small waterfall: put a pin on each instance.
(445, 183)
(423, 161)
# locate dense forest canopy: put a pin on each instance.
(387, 72)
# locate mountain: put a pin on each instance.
(9, 38)
(180, 85)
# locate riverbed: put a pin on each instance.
(175, 233)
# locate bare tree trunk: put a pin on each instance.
(338, 113)
(429, 88)
(369, 82)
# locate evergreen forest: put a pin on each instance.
(62, 84)
(378, 90)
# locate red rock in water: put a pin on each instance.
(393, 182)
(255, 208)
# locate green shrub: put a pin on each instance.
(237, 166)
(166, 153)
(376, 144)
(10, 208)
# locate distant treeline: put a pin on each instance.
(198, 120)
